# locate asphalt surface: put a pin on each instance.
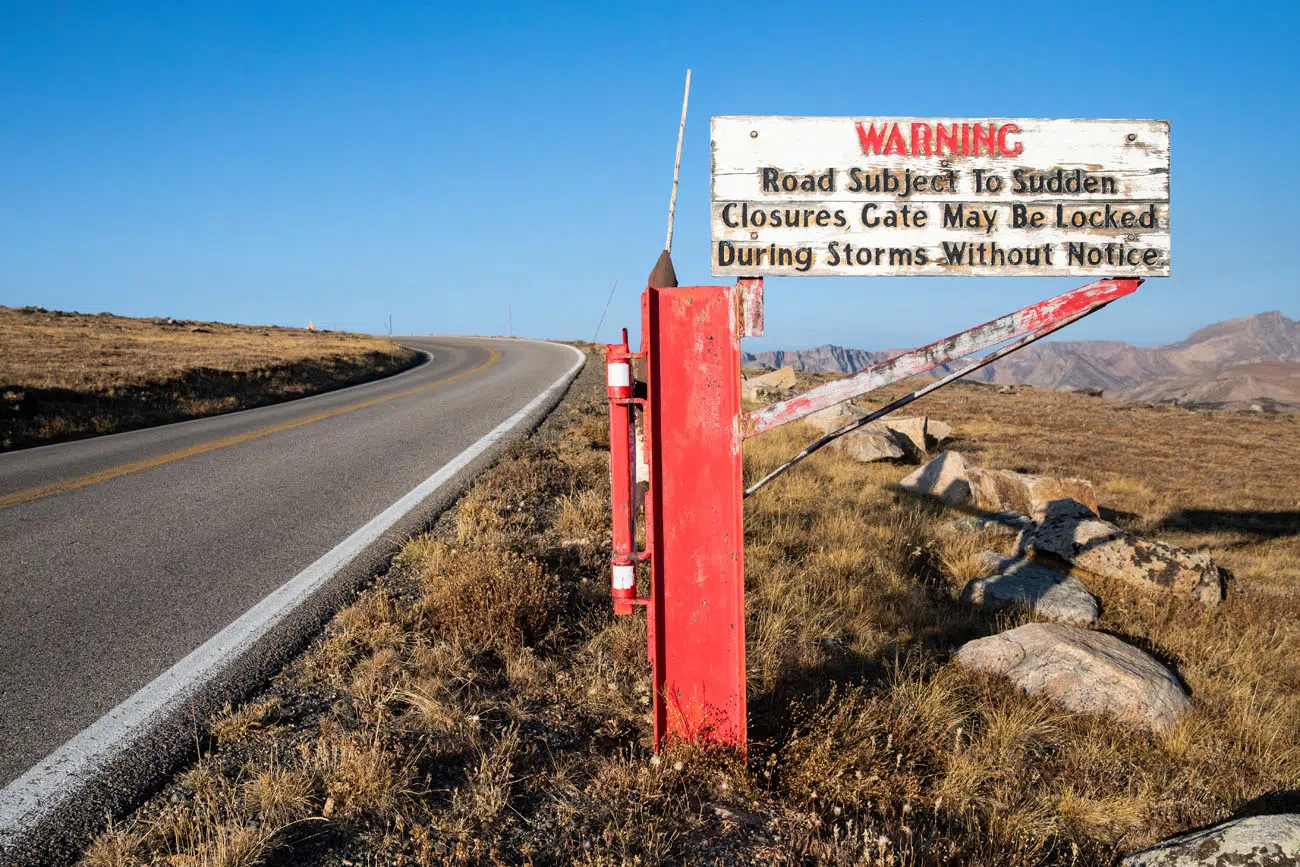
(119, 555)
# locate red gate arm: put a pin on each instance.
(941, 352)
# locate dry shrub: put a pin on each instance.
(212, 827)
(593, 431)
(358, 778)
(241, 726)
(526, 672)
(631, 812)
(584, 514)
(487, 598)
(857, 748)
(360, 630)
(479, 803)
(958, 554)
(116, 847)
(230, 844)
(478, 522)
(430, 708)
(279, 795)
(372, 682)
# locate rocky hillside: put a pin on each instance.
(826, 358)
(1232, 364)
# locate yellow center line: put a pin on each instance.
(94, 478)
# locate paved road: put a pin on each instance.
(122, 554)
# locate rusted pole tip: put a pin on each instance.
(663, 273)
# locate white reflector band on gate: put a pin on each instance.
(620, 374)
(624, 577)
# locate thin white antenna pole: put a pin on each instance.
(677, 164)
(595, 336)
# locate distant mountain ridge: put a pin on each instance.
(1238, 361)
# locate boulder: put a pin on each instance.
(752, 390)
(1082, 671)
(887, 439)
(995, 490)
(945, 478)
(1259, 841)
(868, 445)
(1022, 583)
(777, 379)
(936, 432)
(834, 417)
(1071, 532)
(964, 484)
(909, 433)
(770, 384)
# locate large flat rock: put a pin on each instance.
(1259, 841)
(1070, 531)
(1005, 523)
(1082, 671)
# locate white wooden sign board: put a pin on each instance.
(903, 196)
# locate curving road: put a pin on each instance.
(122, 555)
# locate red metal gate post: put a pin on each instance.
(691, 338)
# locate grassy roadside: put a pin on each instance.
(67, 375)
(479, 704)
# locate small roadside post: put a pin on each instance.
(847, 197)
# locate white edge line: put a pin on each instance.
(26, 801)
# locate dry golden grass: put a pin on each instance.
(480, 705)
(69, 375)
(234, 726)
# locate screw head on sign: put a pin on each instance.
(943, 164)
(1131, 237)
(753, 133)
(1132, 136)
(753, 236)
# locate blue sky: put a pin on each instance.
(335, 162)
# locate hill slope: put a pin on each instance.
(67, 375)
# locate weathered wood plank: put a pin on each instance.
(1028, 320)
(887, 196)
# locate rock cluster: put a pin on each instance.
(1056, 527)
(897, 439)
(1061, 540)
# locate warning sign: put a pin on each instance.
(868, 196)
